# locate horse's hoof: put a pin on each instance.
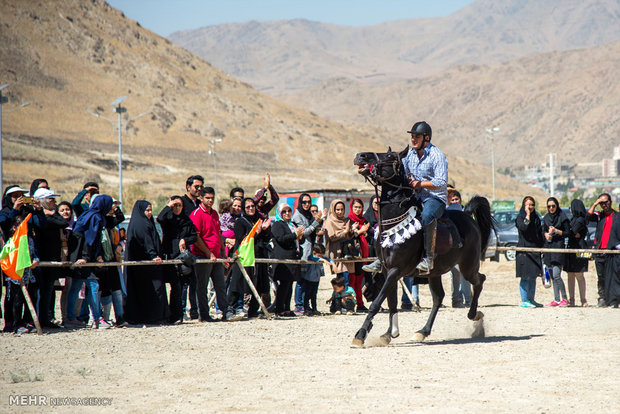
(479, 315)
(385, 339)
(418, 337)
(357, 343)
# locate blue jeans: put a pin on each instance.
(116, 298)
(433, 209)
(299, 296)
(527, 289)
(92, 297)
(414, 292)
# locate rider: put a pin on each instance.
(426, 168)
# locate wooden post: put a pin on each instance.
(416, 307)
(253, 289)
(35, 318)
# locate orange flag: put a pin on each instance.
(15, 255)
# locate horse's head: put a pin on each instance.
(380, 166)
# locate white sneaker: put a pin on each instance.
(103, 324)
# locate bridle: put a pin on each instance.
(375, 179)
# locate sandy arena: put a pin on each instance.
(532, 360)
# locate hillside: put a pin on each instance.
(279, 56)
(70, 58)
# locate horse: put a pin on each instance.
(400, 244)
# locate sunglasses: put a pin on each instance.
(550, 206)
(605, 202)
(286, 211)
(305, 202)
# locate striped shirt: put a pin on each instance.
(433, 167)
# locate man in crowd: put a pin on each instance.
(81, 202)
(237, 192)
(209, 246)
(607, 237)
(191, 200)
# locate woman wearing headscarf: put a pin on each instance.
(287, 241)
(359, 227)
(528, 264)
(178, 233)
(110, 286)
(66, 212)
(146, 291)
(304, 218)
(49, 246)
(372, 216)
(259, 273)
(576, 265)
(556, 228)
(337, 229)
(84, 247)
(38, 183)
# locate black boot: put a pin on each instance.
(430, 232)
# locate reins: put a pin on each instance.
(376, 180)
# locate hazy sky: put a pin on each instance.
(167, 16)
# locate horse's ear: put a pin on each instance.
(403, 154)
(389, 149)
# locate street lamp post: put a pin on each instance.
(212, 143)
(490, 132)
(4, 99)
(119, 110)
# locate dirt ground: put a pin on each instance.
(531, 360)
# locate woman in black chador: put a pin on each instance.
(146, 293)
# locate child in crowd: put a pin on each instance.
(310, 280)
(343, 297)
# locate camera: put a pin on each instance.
(27, 200)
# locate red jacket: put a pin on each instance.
(207, 226)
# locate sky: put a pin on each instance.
(167, 16)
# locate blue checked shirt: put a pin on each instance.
(433, 167)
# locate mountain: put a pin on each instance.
(559, 102)
(71, 58)
(292, 55)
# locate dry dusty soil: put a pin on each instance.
(532, 360)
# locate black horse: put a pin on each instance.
(403, 243)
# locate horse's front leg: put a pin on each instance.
(393, 331)
(387, 288)
(437, 292)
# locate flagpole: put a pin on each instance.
(35, 318)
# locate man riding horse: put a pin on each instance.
(426, 168)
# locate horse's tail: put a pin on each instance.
(480, 209)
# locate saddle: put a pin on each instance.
(447, 236)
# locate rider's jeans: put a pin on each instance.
(433, 209)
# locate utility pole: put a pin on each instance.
(490, 132)
(551, 174)
(212, 143)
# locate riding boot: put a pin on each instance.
(430, 233)
(373, 267)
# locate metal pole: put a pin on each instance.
(1, 184)
(2, 100)
(551, 183)
(215, 169)
(120, 156)
(493, 165)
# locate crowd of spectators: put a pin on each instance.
(88, 230)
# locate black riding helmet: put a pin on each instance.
(421, 128)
